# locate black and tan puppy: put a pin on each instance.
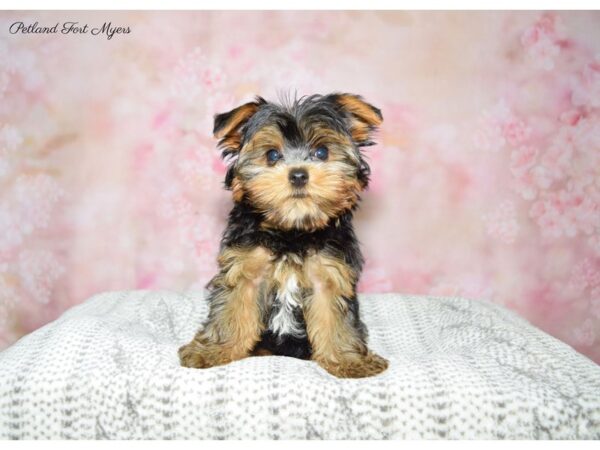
(289, 260)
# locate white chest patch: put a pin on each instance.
(283, 320)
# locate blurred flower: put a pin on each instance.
(516, 131)
(501, 223)
(586, 85)
(25, 207)
(542, 39)
(499, 126)
(595, 302)
(10, 138)
(39, 269)
(584, 274)
(522, 159)
(8, 299)
(4, 81)
(585, 334)
(195, 76)
(594, 242)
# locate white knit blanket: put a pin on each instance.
(108, 368)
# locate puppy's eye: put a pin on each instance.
(322, 153)
(273, 156)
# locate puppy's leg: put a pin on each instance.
(334, 329)
(235, 320)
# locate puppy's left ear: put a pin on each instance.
(229, 126)
(363, 118)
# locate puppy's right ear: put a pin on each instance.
(229, 126)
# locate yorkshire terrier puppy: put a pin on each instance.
(289, 260)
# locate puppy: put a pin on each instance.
(289, 260)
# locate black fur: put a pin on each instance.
(318, 109)
(337, 239)
(244, 224)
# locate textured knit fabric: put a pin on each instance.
(108, 368)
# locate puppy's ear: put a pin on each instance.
(363, 118)
(229, 126)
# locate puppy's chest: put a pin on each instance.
(289, 287)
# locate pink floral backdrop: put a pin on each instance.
(486, 180)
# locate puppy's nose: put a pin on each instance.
(298, 177)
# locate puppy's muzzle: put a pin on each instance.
(298, 177)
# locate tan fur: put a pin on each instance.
(329, 192)
(239, 300)
(253, 156)
(237, 190)
(261, 352)
(286, 267)
(365, 116)
(339, 144)
(236, 324)
(332, 186)
(335, 343)
(234, 330)
(264, 139)
(239, 116)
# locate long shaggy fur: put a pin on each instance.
(289, 260)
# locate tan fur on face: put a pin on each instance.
(330, 191)
(332, 187)
(237, 189)
(340, 146)
(264, 139)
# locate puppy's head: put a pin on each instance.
(299, 163)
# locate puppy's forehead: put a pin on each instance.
(296, 123)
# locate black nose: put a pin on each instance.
(298, 177)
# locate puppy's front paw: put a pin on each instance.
(191, 356)
(198, 356)
(367, 365)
